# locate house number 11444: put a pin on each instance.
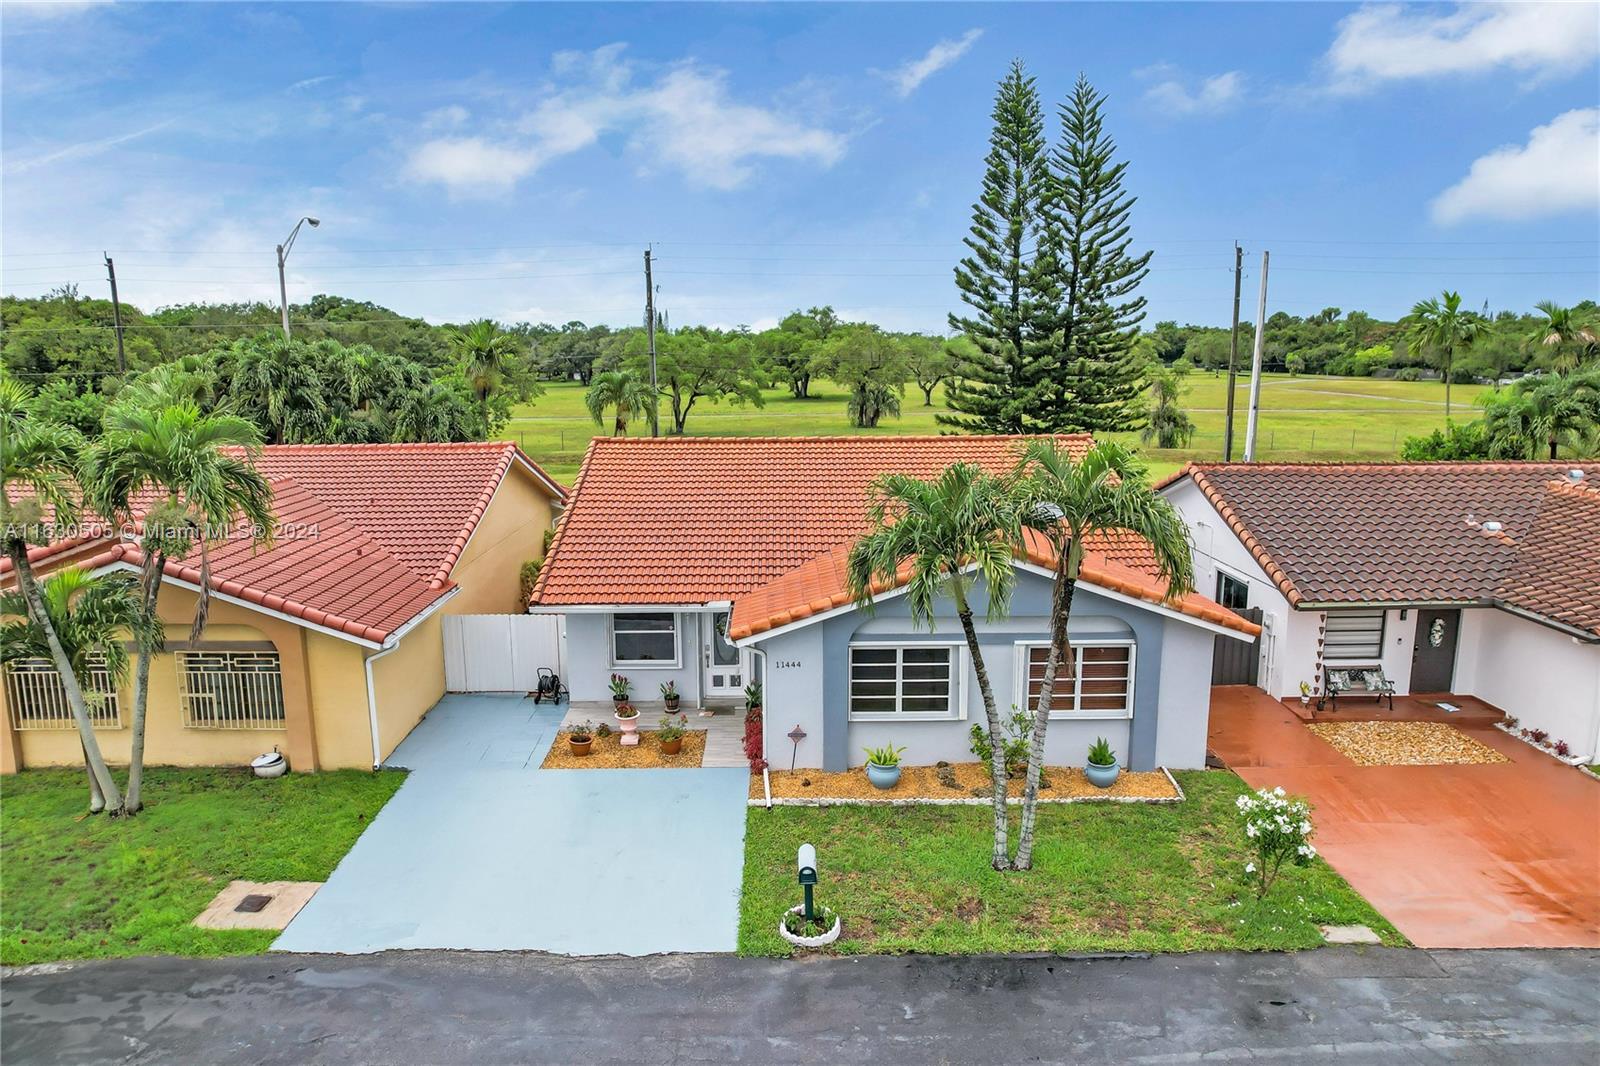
(786, 664)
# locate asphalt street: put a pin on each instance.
(1353, 1005)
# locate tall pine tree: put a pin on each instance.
(1008, 279)
(1098, 381)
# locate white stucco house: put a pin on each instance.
(711, 562)
(1479, 579)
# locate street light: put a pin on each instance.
(283, 253)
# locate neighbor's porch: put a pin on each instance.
(1415, 707)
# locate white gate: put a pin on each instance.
(502, 652)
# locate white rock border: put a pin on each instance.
(966, 801)
(1516, 734)
(822, 940)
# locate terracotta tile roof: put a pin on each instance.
(688, 520)
(1556, 570)
(822, 585)
(1385, 532)
(765, 522)
(368, 534)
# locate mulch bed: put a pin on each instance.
(958, 782)
(1405, 744)
(607, 753)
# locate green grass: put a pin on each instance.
(1106, 877)
(75, 887)
(1301, 418)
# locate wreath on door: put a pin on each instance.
(1436, 633)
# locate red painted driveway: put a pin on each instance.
(1502, 855)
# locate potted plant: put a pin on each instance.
(627, 716)
(620, 689)
(1102, 769)
(670, 733)
(883, 766)
(669, 693)
(581, 738)
(1305, 693)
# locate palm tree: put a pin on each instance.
(1541, 414)
(89, 616)
(487, 357)
(436, 411)
(201, 467)
(1167, 424)
(279, 385)
(1443, 326)
(937, 537)
(1069, 502)
(36, 461)
(1565, 335)
(621, 390)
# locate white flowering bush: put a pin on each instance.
(1278, 829)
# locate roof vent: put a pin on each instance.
(1492, 526)
(1576, 475)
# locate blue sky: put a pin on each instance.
(513, 160)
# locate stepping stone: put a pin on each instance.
(1349, 934)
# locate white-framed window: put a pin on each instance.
(38, 700)
(1353, 635)
(1101, 686)
(231, 689)
(644, 638)
(1232, 592)
(905, 682)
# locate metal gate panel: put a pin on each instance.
(1237, 662)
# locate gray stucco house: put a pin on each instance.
(711, 562)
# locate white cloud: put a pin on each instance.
(1387, 42)
(1213, 94)
(686, 119)
(442, 118)
(909, 75)
(1557, 171)
(85, 149)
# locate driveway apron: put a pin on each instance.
(482, 850)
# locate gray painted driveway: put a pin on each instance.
(1336, 1006)
(482, 850)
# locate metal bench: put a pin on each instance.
(1356, 680)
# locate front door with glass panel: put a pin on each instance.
(724, 663)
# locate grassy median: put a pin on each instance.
(1106, 877)
(77, 887)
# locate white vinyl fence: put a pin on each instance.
(502, 652)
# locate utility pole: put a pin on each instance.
(1255, 366)
(283, 253)
(650, 325)
(116, 314)
(1233, 352)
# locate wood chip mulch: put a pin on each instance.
(607, 753)
(956, 781)
(1405, 744)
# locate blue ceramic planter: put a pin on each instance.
(1102, 776)
(883, 776)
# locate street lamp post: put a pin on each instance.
(283, 254)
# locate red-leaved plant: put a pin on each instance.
(752, 739)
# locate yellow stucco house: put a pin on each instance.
(326, 645)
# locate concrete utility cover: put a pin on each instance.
(1349, 934)
(482, 850)
(284, 899)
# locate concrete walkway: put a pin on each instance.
(1488, 856)
(480, 849)
(1338, 1006)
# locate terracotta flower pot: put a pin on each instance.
(672, 747)
(580, 745)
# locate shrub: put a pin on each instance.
(1408, 373)
(1020, 727)
(1459, 442)
(1278, 828)
(752, 739)
(1563, 749)
(527, 577)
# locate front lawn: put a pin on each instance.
(76, 887)
(1111, 877)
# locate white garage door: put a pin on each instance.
(502, 652)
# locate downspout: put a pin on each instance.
(766, 690)
(372, 704)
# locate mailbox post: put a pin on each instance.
(807, 862)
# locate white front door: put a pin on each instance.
(724, 663)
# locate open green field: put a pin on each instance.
(1317, 418)
(1106, 877)
(84, 887)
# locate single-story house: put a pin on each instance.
(326, 645)
(709, 562)
(1481, 579)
